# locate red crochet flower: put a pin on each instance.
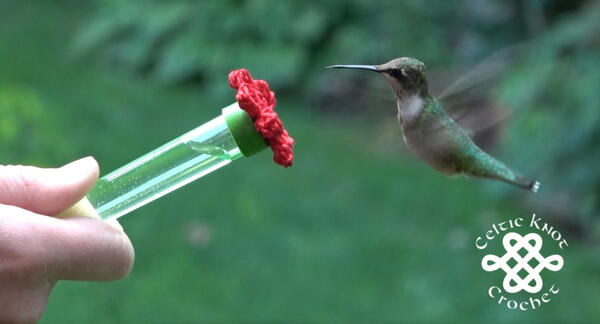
(255, 97)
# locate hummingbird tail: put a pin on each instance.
(535, 186)
(495, 169)
(487, 166)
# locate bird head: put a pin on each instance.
(406, 75)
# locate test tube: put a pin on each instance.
(202, 150)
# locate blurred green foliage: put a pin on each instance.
(352, 233)
(22, 115)
(176, 41)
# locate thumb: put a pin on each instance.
(47, 191)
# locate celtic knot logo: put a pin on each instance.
(513, 244)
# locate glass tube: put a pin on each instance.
(173, 165)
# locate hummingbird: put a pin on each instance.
(430, 132)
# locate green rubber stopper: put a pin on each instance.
(243, 131)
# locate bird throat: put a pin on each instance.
(409, 109)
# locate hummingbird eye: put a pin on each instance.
(398, 73)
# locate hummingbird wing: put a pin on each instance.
(476, 110)
(485, 71)
(470, 100)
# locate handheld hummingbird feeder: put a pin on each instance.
(243, 129)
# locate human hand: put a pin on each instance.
(36, 250)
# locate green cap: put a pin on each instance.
(243, 131)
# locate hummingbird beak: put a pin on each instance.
(357, 67)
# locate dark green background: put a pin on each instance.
(357, 230)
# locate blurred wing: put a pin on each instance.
(382, 94)
(470, 99)
(485, 71)
(386, 135)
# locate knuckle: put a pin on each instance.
(21, 174)
(20, 180)
(24, 174)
